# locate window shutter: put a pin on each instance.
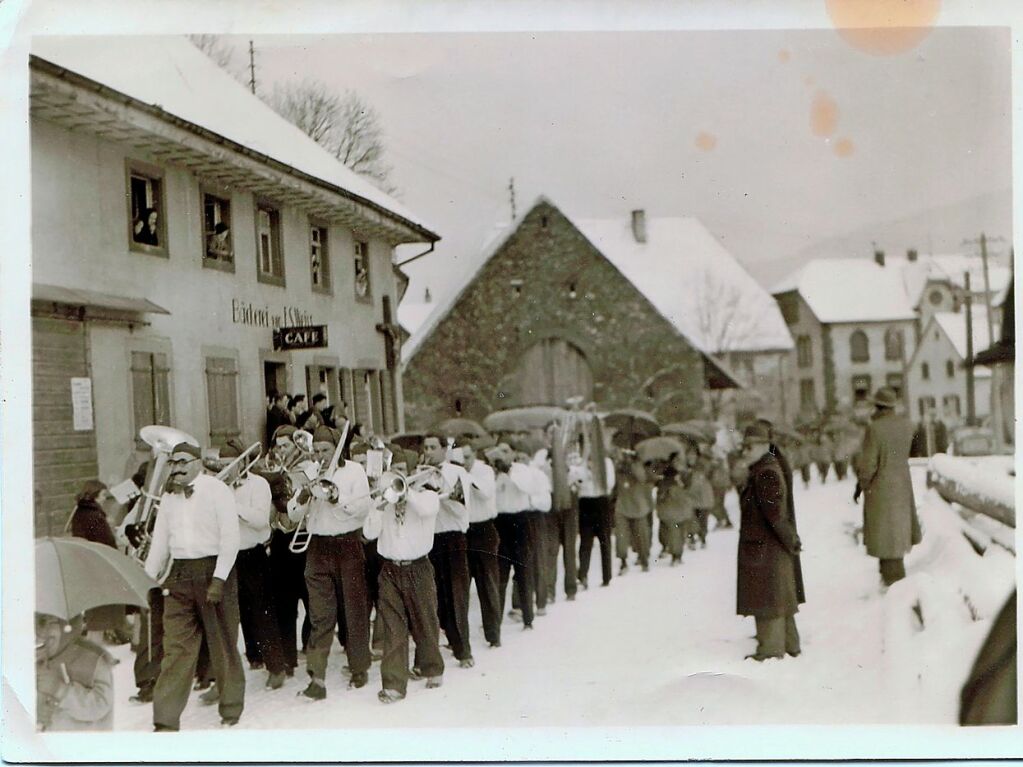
(161, 390)
(222, 398)
(361, 397)
(142, 390)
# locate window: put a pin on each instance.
(146, 214)
(270, 260)
(950, 404)
(894, 380)
(893, 344)
(150, 391)
(216, 232)
(950, 369)
(859, 347)
(789, 305)
(926, 404)
(804, 352)
(925, 371)
(807, 395)
(319, 259)
(861, 388)
(222, 399)
(361, 263)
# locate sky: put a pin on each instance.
(774, 139)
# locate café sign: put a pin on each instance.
(300, 337)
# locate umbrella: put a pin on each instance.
(631, 426)
(523, 418)
(412, 441)
(695, 430)
(75, 575)
(659, 448)
(460, 427)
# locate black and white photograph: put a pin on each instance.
(541, 381)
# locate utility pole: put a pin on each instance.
(996, 402)
(971, 405)
(252, 69)
(511, 195)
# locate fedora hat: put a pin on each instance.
(886, 397)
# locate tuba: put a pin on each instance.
(162, 439)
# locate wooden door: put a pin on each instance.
(552, 371)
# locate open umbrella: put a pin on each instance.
(690, 429)
(412, 441)
(523, 418)
(460, 427)
(631, 426)
(659, 448)
(75, 575)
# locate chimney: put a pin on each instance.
(427, 298)
(911, 255)
(639, 225)
(879, 257)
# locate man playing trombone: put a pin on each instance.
(335, 571)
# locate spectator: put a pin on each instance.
(74, 678)
(299, 408)
(278, 415)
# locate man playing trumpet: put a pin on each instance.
(335, 571)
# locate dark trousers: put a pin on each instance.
(777, 636)
(633, 533)
(719, 511)
(804, 471)
(822, 469)
(259, 623)
(699, 529)
(564, 535)
(512, 550)
(841, 467)
(408, 604)
(536, 522)
(335, 574)
(287, 576)
(482, 543)
(373, 564)
(187, 618)
(595, 522)
(451, 571)
(149, 650)
(892, 570)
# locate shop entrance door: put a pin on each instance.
(275, 377)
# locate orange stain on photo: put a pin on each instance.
(823, 115)
(844, 147)
(706, 141)
(808, 81)
(784, 55)
(883, 27)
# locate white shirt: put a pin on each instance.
(540, 493)
(513, 489)
(589, 487)
(205, 525)
(411, 538)
(254, 503)
(453, 516)
(345, 516)
(482, 493)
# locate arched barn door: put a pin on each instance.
(553, 370)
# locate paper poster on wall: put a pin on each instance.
(81, 403)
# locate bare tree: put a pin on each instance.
(214, 47)
(346, 126)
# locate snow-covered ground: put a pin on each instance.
(666, 648)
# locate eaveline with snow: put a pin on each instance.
(666, 648)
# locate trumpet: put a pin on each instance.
(245, 462)
(274, 462)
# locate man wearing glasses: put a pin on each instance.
(197, 527)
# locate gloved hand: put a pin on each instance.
(303, 496)
(134, 535)
(215, 592)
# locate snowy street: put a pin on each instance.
(666, 648)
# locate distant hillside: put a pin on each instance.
(939, 230)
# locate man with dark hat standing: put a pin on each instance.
(197, 527)
(769, 586)
(335, 571)
(890, 525)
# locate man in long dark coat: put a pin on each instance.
(890, 526)
(770, 586)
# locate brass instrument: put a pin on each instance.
(162, 439)
(247, 464)
(301, 537)
(303, 440)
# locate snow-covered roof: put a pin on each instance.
(860, 290)
(954, 326)
(174, 75)
(411, 316)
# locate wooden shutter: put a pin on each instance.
(360, 397)
(142, 391)
(222, 398)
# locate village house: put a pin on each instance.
(604, 309)
(179, 228)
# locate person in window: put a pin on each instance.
(217, 244)
(146, 227)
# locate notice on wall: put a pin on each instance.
(374, 463)
(81, 403)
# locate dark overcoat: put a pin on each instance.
(770, 583)
(882, 467)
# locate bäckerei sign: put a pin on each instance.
(300, 337)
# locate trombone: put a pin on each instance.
(245, 462)
(301, 538)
